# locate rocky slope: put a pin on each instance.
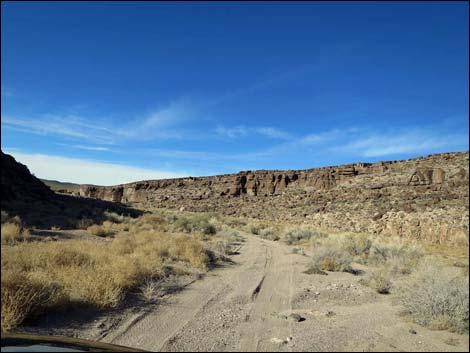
(423, 198)
(26, 196)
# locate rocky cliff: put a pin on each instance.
(424, 197)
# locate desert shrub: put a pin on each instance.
(358, 245)
(23, 298)
(436, 297)
(380, 280)
(230, 234)
(114, 217)
(196, 223)
(330, 258)
(294, 235)
(404, 255)
(270, 233)
(39, 276)
(99, 230)
(222, 246)
(156, 220)
(12, 233)
(225, 240)
(235, 222)
(188, 249)
(84, 223)
(254, 228)
(149, 290)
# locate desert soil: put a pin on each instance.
(246, 307)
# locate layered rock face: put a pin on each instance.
(420, 198)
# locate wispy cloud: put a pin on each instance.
(159, 124)
(207, 156)
(84, 171)
(88, 147)
(245, 131)
(67, 126)
(168, 122)
(163, 123)
(328, 136)
(349, 144)
(378, 144)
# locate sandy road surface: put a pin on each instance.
(243, 307)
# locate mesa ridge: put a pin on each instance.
(422, 198)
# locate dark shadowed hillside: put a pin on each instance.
(26, 196)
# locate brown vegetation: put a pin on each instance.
(40, 276)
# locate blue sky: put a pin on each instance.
(115, 92)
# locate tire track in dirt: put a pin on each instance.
(160, 328)
(246, 307)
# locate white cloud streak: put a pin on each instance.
(68, 126)
(404, 142)
(160, 124)
(83, 171)
(245, 131)
(88, 147)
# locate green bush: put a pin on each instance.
(196, 223)
(294, 235)
(230, 235)
(405, 256)
(357, 245)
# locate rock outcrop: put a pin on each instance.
(424, 197)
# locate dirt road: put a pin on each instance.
(247, 307)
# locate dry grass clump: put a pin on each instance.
(36, 275)
(100, 230)
(155, 220)
(24, 297)
(13, 230)
(298, 234)
(436, 297)
(270, 233)
(235, 222)
(115, 218)
(264, 230)
(380, 280)
(330, 258)
(256, 227)
(149, 290)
